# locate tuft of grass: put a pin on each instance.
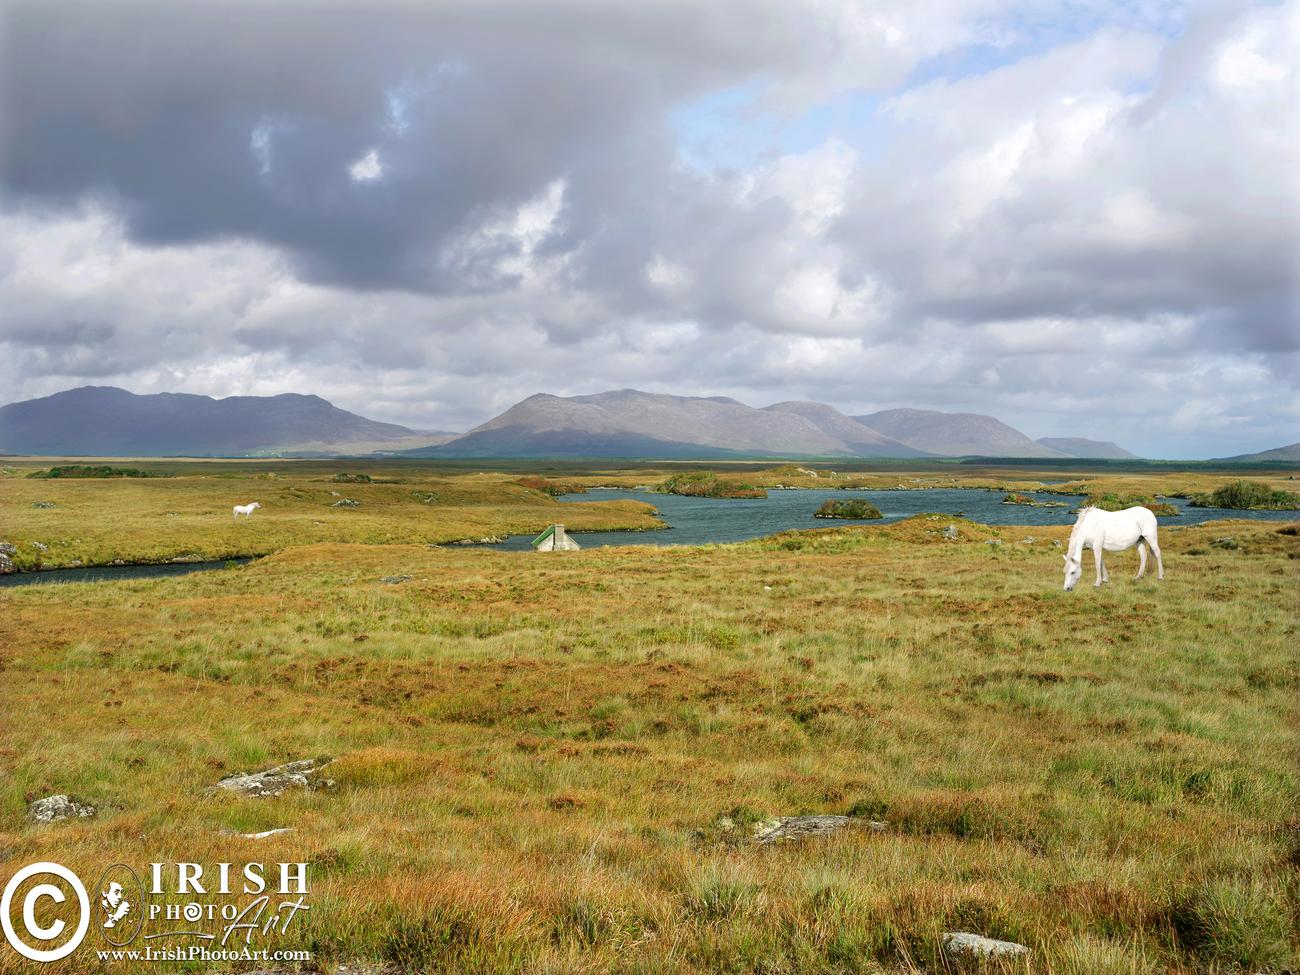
(1236, 921)
(720, 894)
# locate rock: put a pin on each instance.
(346, 503)
(8, 548)
(994, 542)
(52, 809)
(273, 781)
(788, 828)
(950, 533)
(265, 833)
(1227, 543)
(43, 504)
(393, 580)
(1027, 540)
(40, 546)
(962, 946)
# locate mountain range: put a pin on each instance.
(111, 422)
(631, 423)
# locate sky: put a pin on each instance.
(1080, 216)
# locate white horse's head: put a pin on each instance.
(255, 504)
(1073, 570)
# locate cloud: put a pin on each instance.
(1077, 218)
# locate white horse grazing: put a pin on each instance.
(1111, 531)
(246, 509)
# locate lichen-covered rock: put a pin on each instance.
(393, 580)
(52, 809)
(266, 833)
(951, 534)
(43, 504)
(346, 503)
(963, 946)
(7, 552)
(304, 774)
(788, 828)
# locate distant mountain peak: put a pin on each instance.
(955, 434)
(109, 421)
(1288, 454)
(1085, 448)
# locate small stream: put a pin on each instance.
(114, 573)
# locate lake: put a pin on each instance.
(698, 521)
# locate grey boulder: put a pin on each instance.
(786, 829)
(52, 809)
(304, 774)
(963, 946)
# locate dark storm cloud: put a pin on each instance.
(198, 121)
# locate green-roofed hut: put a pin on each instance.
(555, 539)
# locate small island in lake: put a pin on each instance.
(706, 484)
(1248, 496)
(856, 509)
(1119, 502)
(1016, 498)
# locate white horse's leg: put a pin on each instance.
(1142, 560)
(1105, 572)
(1101, 569)
(1155, 550)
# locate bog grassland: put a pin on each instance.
(556, 762)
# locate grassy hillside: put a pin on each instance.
(553, 763)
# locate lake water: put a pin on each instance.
(697, 521)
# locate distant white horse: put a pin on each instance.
(1111, 531)
(246, 509)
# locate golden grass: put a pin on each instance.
(95, 522)
(537, 752)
